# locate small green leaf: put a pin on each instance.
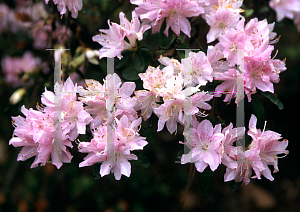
(144, 48)
(126, 55)
(165, 41)
(273, 99)
(234, 185)
(258, 110)
(248, 12)
(142, 161)
(205, 180)
(96, 171)
(139, 61)
(181, 53)
(212, 120)
(130, 74)
(180, 153)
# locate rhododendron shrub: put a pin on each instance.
(154, 81)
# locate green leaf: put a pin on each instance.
(96, 171)
(142, 161)
(205, 180)
(139, 61)
(180, 153)
(234, 185)
(130, 74)
(126, 55)
(165, 41)
(273, 99)
(181, 53)
(212, 120)
(144, 48)
(248, 12)
(258, 110)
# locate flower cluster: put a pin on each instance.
(167, 84)
(175, 13)
(125, 138)
(173, 91)
(252, 43)
(112, 39)
(210, 146)
(47, 131)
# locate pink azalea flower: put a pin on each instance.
(215, 56)
(73, 5)
(269, 146)
(232, 78)
(220, 21)
(230, 136)
(74, 117)
(155, 79)
(199, 67)
(232, 42)
(37, 134)
(285, 8)
(132, 29)
(175, 64)
(126, 139)
(113, 39)
(250, 161)
(175, 12)
(146, 102)
(205, 142)
(101, 98)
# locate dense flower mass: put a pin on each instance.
(209, 146)
(251, 42)
(179, 90)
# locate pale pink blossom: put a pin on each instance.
(198, 66)
(231, 135)
(37, 134)
(205, 142)
(220, 21)
(269, 147)
(132, 29)
(73, 116)
(155, 79)
(250, 160)
(175, 12)
(101, 98)
(173, 110)
(112, 40)
(232, 79)
(126, 139)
